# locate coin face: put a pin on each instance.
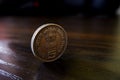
(49, 42)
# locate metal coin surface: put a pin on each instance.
(49, 42)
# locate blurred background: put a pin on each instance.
(93, 51)
(60, 7)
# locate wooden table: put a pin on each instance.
(93, 51)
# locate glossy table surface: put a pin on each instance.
(93, 51)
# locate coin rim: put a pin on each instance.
(36, 33)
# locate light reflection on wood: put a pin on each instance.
(92, 52)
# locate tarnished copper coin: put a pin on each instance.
(49, 42)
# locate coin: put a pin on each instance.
(49, 42)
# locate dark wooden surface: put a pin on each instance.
(93, 51)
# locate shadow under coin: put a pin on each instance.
(52, 71)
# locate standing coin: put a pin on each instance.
(49, 42)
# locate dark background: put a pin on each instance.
(59, 7)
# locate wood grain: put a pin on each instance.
(93, 51)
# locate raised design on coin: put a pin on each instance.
(49, 42)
